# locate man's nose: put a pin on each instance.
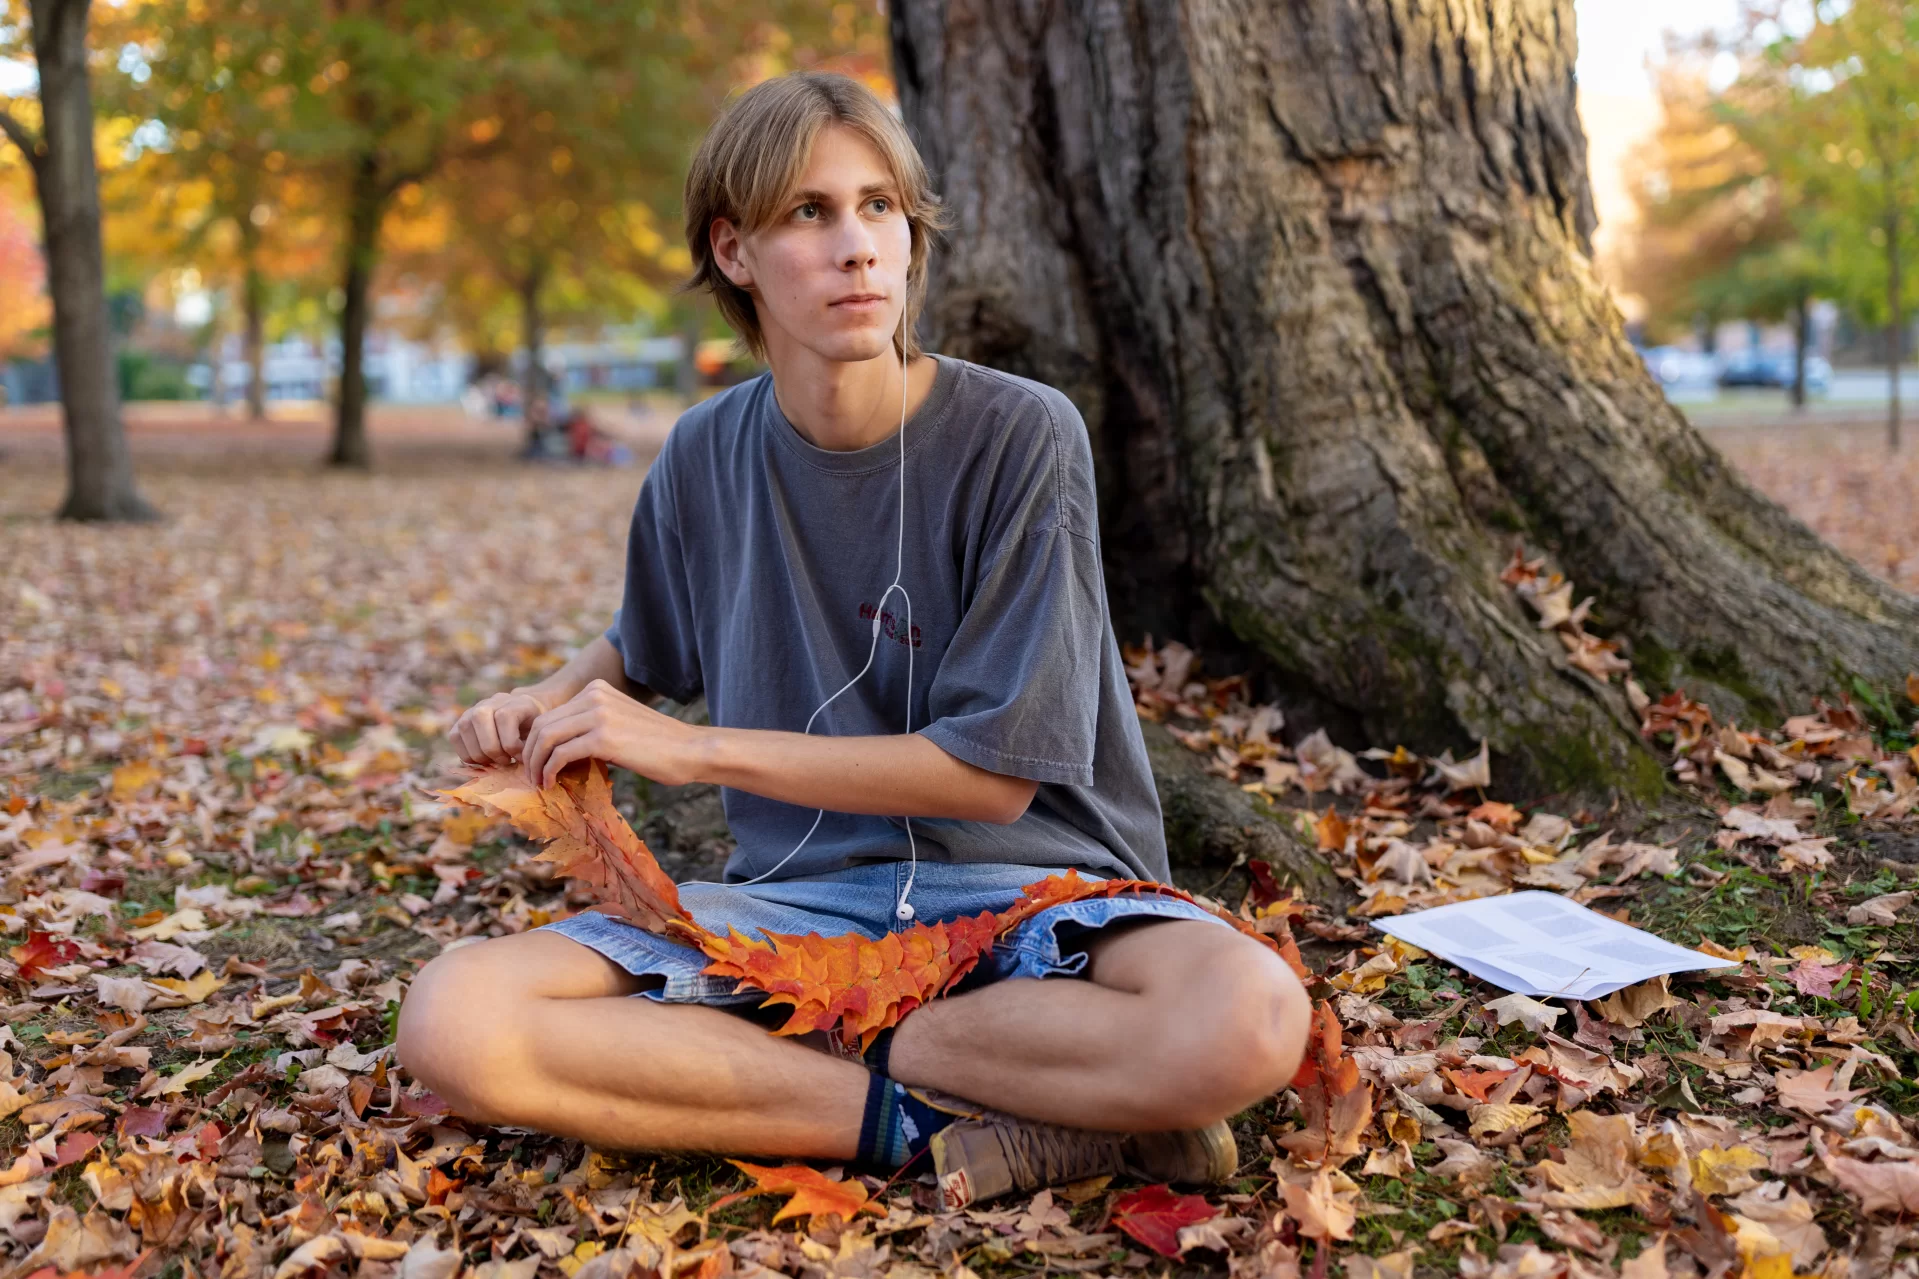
(857, 247)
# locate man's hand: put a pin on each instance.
(493, 730)
(600, 722)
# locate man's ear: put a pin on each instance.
(728, 252)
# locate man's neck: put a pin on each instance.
(842, 406)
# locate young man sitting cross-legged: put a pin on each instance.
(982, 738)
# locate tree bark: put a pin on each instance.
(254, 304)
(366, 204)
(99, 466)
(1318, 276)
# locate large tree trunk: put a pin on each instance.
(366, 204)
(99, 466)
(1318, 277)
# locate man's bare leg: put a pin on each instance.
(540, 1031)
(1181, 1023)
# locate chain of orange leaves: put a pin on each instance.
(849, 986)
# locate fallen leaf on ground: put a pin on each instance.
(1529, 1012)
(1154, 1215)
(813, 1194)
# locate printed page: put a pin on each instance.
(1542, 945)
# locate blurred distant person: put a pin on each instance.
(586, 442)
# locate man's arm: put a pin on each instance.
(902, 774)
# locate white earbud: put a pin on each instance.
(903, 910)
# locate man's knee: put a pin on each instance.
(1233, 1023)
(454, 1031)
(463, 1025)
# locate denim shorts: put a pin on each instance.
(862, 899)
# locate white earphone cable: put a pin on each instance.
(902, 909)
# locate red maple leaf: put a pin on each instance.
(1817, 979)
(1266, 889)
(43, 950)
(1154, 1214)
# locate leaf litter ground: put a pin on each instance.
(222, 870)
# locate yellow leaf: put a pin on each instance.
(192, 990)
(168, 1085)
(1725, 1172)
(466, 826)
(1498, 1117)
(190, 920)
(130, 779)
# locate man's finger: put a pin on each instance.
(549, 730)
(462, 734)
(485, 736)
(581, 747)
(511, 724)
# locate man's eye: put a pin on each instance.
(880, 204)
(807, 210)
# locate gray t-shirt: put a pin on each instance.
(756, 562)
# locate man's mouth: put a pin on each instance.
(860, 301)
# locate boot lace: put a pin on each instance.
(1043, 1155)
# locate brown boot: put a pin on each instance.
(979, 1159)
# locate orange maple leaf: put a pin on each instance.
(1326, 1061)
(1478, 1084)
(851, 983)
(812, 1193)
(587, 838)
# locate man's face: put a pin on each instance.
(829, 272)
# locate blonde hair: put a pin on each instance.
(752, 159)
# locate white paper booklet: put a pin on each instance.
(1542, 945)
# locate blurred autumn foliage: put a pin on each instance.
(22, 277)
(503, 166)
(1795, 177)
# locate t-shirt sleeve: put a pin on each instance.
(1018, 690)
(654, 629)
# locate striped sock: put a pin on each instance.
(897, 1125)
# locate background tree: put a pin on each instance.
(210, 183)
(59, 149)
(1351, 356)
(559, 213)
(374, 98)
(1706, 198)
(1854, 83)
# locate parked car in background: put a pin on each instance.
(1773, 368)
(1680, 369)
